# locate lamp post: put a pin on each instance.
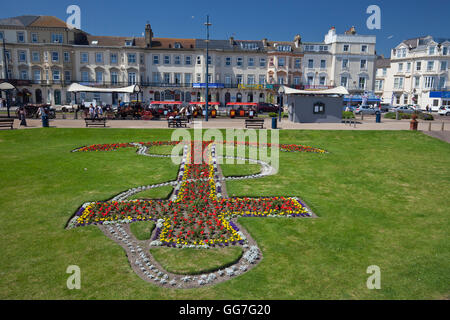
(207, 24)
(5, 64)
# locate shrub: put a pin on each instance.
(273, 114)
(347, 115)
(425, 116)
(391, 115)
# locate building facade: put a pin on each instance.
(417, 73)
(44, 56)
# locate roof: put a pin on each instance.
(139, 42)
(338, 90)
(20, 21)
(382, 63)
(48, 22)
(76, 87)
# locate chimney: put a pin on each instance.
(297, 40)
(148, 35)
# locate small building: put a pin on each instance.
(313, 106)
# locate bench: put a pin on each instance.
(177, 123)
(95, 122)
(254, 123)
(7, 123)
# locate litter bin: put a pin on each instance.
(274, 123)
(45, 122)
(378, 117)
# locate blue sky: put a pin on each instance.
(275, 20)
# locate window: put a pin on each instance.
(322, 80)
(346, 48)
(251, 62)
(35, 56)
(37, 75)
(55, 56)
(177, 78)
(99, 76)
(155, 59)
(297, 63)
(24, 74)
(22, 55)
(363, 64)
(364, 48)
(85, 76)
(344, 81)
(431, 50)
(177, 60)
(323, 64)
(416, 82)
(262, 62)
(296, 81)
(281, 80)
(310, 80)
(84, 57)
(34, 37)
(310, 63)
(281, 61)
(131, 60)
(113, 58)
(114, 77)
(128, 43)
(344, 63)
(429, 82)
(262, 79)
(443, 65)
(430, 65)
(187, 60)
(228, 61)
(441, 83)
(56, 75)
(379, 85)
(319, 108)
(323, 48)
(405, 99)
(251, 79)
(199, 60)
(239, 61)
(444, 50)
(166, 77)
(66, 56)
(418, 65)
(400, 67)
(408, 67)
(187, 78)
(99, 57)
(131, 78)
(239, 78)
(67, 75)
(198, 77)
(227, 79)
(57, 38)
(398, 83)
(218, 61)
(209, 60)
(2, 35)
(362, 82)
(384, 72)
(177, 45)
(284, 48)
(20, 37)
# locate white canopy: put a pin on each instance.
(76, 87)
(338, 90)
(6, 86)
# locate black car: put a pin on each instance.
(267, 107)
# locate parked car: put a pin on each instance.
(267, 107)
(365, 110)
(404, 109)
(386, 107)
(444, 111)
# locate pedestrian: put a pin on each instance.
(99, 112)
(91, 111)
(43, 115)
(188, 113)
(22, 114)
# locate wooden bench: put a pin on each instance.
(254, 123)
(4, 123)
(177, 123)
(95, 122)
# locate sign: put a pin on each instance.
(210, 85)
(440, 94)
(250, 86)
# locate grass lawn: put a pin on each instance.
(142, 230)
(382, 198)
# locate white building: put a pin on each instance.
(418, 73)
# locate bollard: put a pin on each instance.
(442, 127)
(429, 126)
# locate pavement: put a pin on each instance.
(368, 123)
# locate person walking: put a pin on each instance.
(99, 112)
(91, 111)
(43, 115)
(22, 114)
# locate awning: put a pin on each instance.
(76, 87)
(166, 102)
(338, 90)
(6, 86)
(203, 102)
(242, 104)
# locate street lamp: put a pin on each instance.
(5, 64)
(207, 24)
